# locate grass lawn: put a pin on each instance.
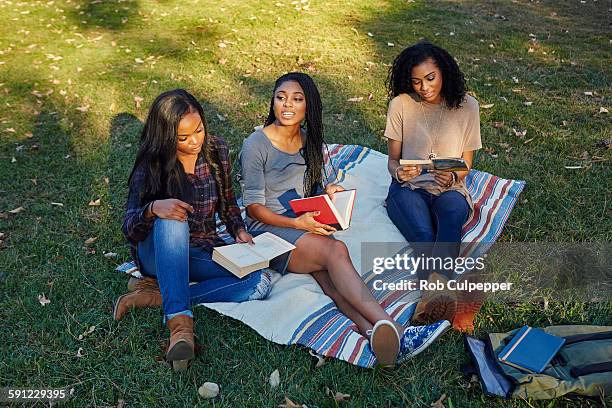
(76, 79)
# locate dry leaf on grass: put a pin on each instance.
(290, 404)
(208, 390)
(80, 352)
(602, 110)
(528, 103)
(110, 255)
(17, 210)
(138, 100)
(338, 396)
(42, 299)
(57, 204)
(83, 108)
(358, 99)
(438, 403)
(274, 379)
(95, 203)
(519, 133)
(588, 93)
(488, 106)
(91, 240)
(320, 359)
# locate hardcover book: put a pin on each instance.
(336, 211)
(531, 349)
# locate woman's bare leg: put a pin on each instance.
(323, 279)
(316, 252)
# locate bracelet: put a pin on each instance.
(396, 176)
(454, 179)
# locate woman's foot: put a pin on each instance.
(385, 343)
(464, 317)
(415, 339)
(145, 294)
(181, 348)
(436, 305)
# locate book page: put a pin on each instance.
(269, 246)
(343, 201)
(415, 162)
(241, 255)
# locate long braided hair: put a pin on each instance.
(165, 176)
(313, 148)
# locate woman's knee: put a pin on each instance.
(453, 205)
(171, 229)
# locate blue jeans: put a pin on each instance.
(431, 224)
(166, 255)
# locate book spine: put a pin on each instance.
(505, 356)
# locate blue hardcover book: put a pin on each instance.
(531, 350)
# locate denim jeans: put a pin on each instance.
(431, 224)
(166, 255)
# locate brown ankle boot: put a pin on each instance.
(468, 305)
(181, 348)
(436, 304)
(146, 294)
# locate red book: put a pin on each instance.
(336, 212)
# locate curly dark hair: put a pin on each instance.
(315, 143)
(453, 82)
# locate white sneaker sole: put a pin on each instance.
(385, 343)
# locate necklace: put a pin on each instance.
(432, 155)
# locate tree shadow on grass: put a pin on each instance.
(108, 14)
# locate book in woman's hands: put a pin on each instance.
(242, 259)
(335, 212)
(531, 349)
(439, 163)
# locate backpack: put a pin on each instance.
(583, 366)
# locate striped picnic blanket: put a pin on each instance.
(297, 311)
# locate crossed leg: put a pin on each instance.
(329, 262)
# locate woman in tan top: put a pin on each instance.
(430, 115)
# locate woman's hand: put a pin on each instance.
(405, 173)
(170, 209)
(243, 237)
(307, 222)
(330, 189)
(444, 178)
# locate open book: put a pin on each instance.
(439, 163)
(336, 212)
(242, 259)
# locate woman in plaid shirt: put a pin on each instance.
(181, 179)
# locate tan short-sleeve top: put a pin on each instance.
(450, 133)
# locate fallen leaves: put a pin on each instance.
(80, 353)
(17, 210)
(438, 403)
(83, 108)
(110, 254)
(338, 396)
(91, 240)
(42, 299)
(208, 390)
(94, 203)
(519, 133)
(602, 110)
(138, 100)
(56, 204)
(356, 99)
(274, 379)
(290, 404)
(320, 359)
(488, 106)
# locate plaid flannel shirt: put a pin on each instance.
(202, 231)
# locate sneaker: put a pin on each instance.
(417, 338)
(385, 343)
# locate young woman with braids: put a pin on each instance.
(430, 115)
(283, 161)
(180, 180)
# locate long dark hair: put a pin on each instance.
(453, 83)
(313, 149)
(164, 174)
